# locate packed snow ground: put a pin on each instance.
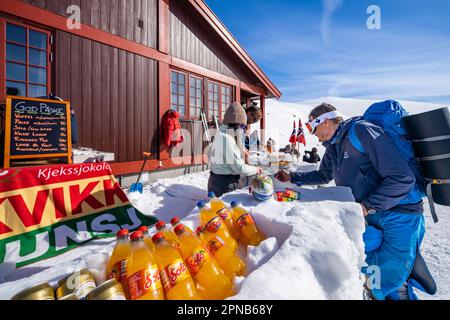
(313, 248)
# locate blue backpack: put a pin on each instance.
(388, 115)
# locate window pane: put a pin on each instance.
(173, 88)
(182, 110)
(192, 112)
(38, 39)
(181, 100)
(36, 91)
(174, 76)
(199, 92)
(15, 52)
(199, 102)
(38, 57)
(15, 71)
(37, 75)
(180, 89)
(199, 83)
(216, 96)
(181, 78)
(15, 89)
(16, 33)
(192, 92)
(173, 98)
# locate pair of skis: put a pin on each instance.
(206, 127)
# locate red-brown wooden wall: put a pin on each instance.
(118, 17)
(192, 41)
(114, 94)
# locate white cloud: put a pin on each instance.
(329, 7)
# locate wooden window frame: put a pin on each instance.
(218, 101)
(27, 64)
(230, 87)
(202, 95)
(186, 80)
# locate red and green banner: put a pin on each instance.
(46, 211)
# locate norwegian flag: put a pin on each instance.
(300, 133)
(293, 137)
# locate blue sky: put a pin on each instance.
(316, 48)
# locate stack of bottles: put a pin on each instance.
(177, 263)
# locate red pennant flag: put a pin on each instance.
(293, 136)
(300, 133)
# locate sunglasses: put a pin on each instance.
(310, 128)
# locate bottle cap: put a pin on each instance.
(143, 229)
(200, 204)
(174, 220)
(136, 236)
(157, 236)
(211, 194)
(234, 204)
(160, 224)
(179, 229)
(199, 229)
(122, 233)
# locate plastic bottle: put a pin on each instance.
(244, 221)
(168, 233)
(204, 268)
(117, 264)
(143, 281)
(214, 224)
(175, 276)
(147, 239)
(230, 263)
(220, 208)
(176, 221)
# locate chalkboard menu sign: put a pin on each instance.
(37, 128)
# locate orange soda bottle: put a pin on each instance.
(175, 276)
(144, 281)
(204, 268)
(230, 263)
(220, 208)
(214, 224)
(147, 239)
(176, 221)
(244, 221)
(117, 264)
(168, 233)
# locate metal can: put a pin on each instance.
(40, 291)
(71, 296)
(108, 290)
(79, 283)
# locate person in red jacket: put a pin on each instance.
(171, 129)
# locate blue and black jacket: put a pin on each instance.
(379, 177)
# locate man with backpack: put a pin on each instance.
(361, 155)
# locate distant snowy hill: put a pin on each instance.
(280, 115)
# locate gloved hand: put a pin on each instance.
(283, 176)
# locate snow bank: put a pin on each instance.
(313, 250)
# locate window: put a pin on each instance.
(213, 99)
(26, 64)
(195, 96)
(177, 90)
(226, 98)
